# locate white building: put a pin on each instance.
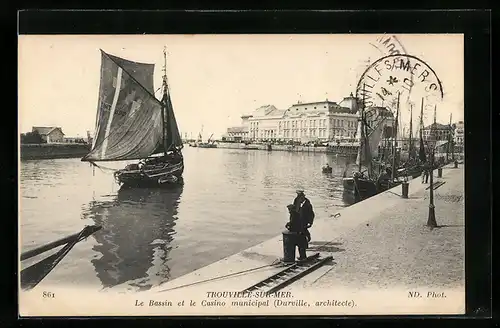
(303, 122)
(237, 133)
(51, 134)
(441, 131)
(321, 121)
(459, 133)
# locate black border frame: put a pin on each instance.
(476, 26)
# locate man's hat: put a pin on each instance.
(300, 191)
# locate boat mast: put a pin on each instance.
(367, 148)
(411, 132)
(394, 142)
(449, 141)
(421, 131)
(361, 129)
(452, 143)
(163, 103)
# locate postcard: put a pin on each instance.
(236, 175)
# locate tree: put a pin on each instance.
(31, 138)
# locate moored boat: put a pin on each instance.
(249, 147)
(207, 145)
(326, 169)
(133, 125)
(364, 183)
(32, 275)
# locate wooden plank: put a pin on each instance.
(280, 273)
(42, 249)
(299, 275)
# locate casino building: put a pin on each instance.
(321, 121)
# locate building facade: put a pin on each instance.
(322, 121)
(236, 134)
(458, 137)
(317, 121)
(49, 134)
(441, 132)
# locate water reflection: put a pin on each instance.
(136, 236)
(235, 200)
(349, 199)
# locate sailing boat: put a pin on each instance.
(362, 185)
(412, 167)
(132, 124)
(208, 144)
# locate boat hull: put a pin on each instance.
(414, 171)
(207, 146)
(170, 174)
(359, 188)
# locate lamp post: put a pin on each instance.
(431, 219)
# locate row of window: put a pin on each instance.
(304, 133)
(305, 108)
(311, 123)
(317, 122)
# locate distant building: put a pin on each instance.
(49, 134)
(78, 140)
(304, 122)
(441, 131)
(263, 123)
(237, 133)
(459, 133)
(374, 115)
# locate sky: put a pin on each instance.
(214, 79)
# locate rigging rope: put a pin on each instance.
(221, 277)
(102, 168)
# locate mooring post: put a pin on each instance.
(440, 172)
(405, 187)
(456, 164)
(288, 247)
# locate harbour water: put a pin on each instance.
(231, 199)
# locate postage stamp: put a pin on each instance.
(232, 175)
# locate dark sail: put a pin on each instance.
(421, 152)
(172, 136)
(141, 72)
(128, 124)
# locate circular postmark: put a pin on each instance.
(381, 46)
(399, 77)
(388, 45)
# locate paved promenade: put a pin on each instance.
(397, 249)
(380, 242)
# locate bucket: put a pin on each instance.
(288, 247)
(405, 187)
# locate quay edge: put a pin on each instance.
(53, 151)
(325, 229)
(342, 150)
